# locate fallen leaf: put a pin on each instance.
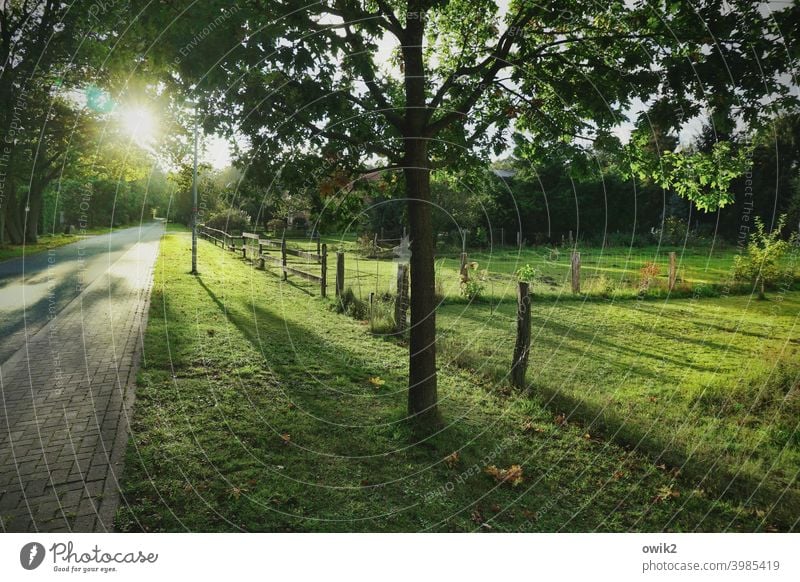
(377, 381)
(512, 475)
(476, 516)
(666, 492)
(587, 436)
(236, 492)
(452, 459)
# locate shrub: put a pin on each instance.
(366, 246)
(761, 262)
(231, 220)
(526, 273)
(348, 304)
(276, 225)
(601, 285)
(473, 286)
(647, 273)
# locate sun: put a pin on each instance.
(140, 124)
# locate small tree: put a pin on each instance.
(761, 264)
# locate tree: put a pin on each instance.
(48, 50)
(309, 88)
(761, 264)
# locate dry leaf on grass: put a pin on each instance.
(452, 459)
(528, 426)
(665, 493)
(377, 381)
(512, 475)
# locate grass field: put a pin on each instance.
(605, 273)
(259, 408)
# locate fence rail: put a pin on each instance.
(255, 248)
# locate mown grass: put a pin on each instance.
(605, 273)
(710, 386)
(261, 409)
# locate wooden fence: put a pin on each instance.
(265, 251)
(276, 252)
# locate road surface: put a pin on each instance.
(70, 327)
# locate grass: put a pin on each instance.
(261, 409)
(605, 273)
(710, 387)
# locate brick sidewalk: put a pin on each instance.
(65, 400)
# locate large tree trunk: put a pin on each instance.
(422, 393)
(34, 214)
(12, 218)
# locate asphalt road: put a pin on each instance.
(37, 288)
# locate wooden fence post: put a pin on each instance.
(371, 302)
(323, 281)
(401, 304)
(283, 254)
(519, 364)
(576, 272)
(463, 269)
(339, 273)
(673, 270)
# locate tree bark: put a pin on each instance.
(519, 364)
(34, 213)
(13, 223)
(422, 389)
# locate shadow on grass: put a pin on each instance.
(702, 469)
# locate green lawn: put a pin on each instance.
(605, 273)
(256, 411)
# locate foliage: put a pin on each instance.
(464, 77)
(473, 286)
(647, 274)
(366, 245)
(675, 232)
(526, 273)
(700, 177)
(230, 220)
(761, 264)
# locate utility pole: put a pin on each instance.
(194, 197)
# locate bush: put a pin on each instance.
(472, 286)
(231, 221)
(526, 273)
(276, 225)
(760, 265)
(601, 285)
(676, 232)
(647, 273)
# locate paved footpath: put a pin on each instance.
(66, 395)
